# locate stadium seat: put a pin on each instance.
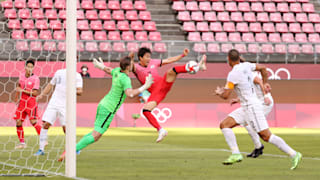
(261, 37)
(314, 38)
(213, 48)
(301, 17)
(205, 6)
(178, 6)
(42, 24)
(268, 27)
(132, 46)
(275, 17)
(62, 46)
(242, 27)
(301, 38)
(234, 37)
(288, 17)
(160, 47)
(132, 15)
(218, 6)
(83, 25)
(145, 15)
(308, 7)
(46, 4)
(255, 27)
(192, 6)
(221, 37)
(295, 7)
(270, 7)
(37, 14)
(123, 25)
(31, 34)
(210, 16)
(80, 46)
(109, 25)
(294, 48)
(229, 27)
(14, 24)
(155, 36)
(257, 7)
(100, 35)
(294, 27)
(10, 13)
(150, 26)
(215, 26)
(225, 48)
(35, 46)
(17, 34)
(105, 15)
(207, 36)
(147, 45)
(223, 16)
(96, 25)
(283, 7)
(253, 48)
(45, 34)
(113, 5)
(317, 27)
(248, 37)
(202, 26)
(126, 5)
(183, 16)
(140, 5)
(244, 6)
(24, 13)
(282, 27)
(20, 4)
(263, 17)
(307, 27)
(92, 15)
(22, 46)
(91, 46)
(118, 15)
(8, 4)
(274, 38)
(194, 36)
(100, 5)
(51, 14)
(267, 49)
(280, 48)
(141, 36)
(317, 49)
(34, 4)
(314, 18)
(287, 37)
(62, 14)
(231, 6)
(27, 24)
(196, 16)
(249, 17)
(114, 35)
(242, 48)
(49, 46)
(59, 35)
(127, 36)
(307, 49)
(136, 25)
(236, 17)
(87, 4)
(60, 4)
(105, 47)
(200, 48)
(118, 47)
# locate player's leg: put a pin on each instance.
(258, 146)
(19, 116)
(33, 116)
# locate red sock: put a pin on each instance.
(37, 126)
(20, 134)
(152, 120)
(180, 69)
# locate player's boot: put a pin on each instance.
(78, 152)
(233, 159)
(162, 133)
(21, 146)
(296, 160)
(256, 152)
(202, 63)
(39, 153)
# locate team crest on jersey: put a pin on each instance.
(29, 83)
(152, 66)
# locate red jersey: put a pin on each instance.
(28, 83)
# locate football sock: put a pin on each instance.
(152, 120)
(254, 136)
(43, 138)
(37, 126)
(180, 69)
(282, 145)
(20, 134)
(231, 140)
(85, 141)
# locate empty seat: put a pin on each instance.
(242, 27)
(132, 46)
(59, 35)
(136, 25)
(294, 48)
(234, 37)
(60, 4)
(14, 24)
(31, 34)
(268, 27)
(62, 14)
(100, 5)
(35, 46)
(215, 26)
(249, 17)
(117, 15)
(307, 28)
(119, 47)
(22, 45)
(253, 48)
(283, 7)
(205, 6)
(113, 5)
(282, 27)
(105, 47)
(261, 37)
(126, 5)
(132, 15)
(155, 36)
(51, 14)
(123, 25)
(62, 46)
(223, 16)
(109, 25)
(287, 37)
(314, 18)
(141, 36)
(217, 6)
(127, 36)
(248, 37)
(87, 4)
(225, 48)
(45, 34)
(242, 48)
(255, 27)
(17, 34)
(295, 7)
(42, 24)
(96, 25)
(49, 46)
(244, 6)
(202, 26)
(236, 17)
(275, 17)
(231, 6)
(10, 13)
(267, 48)
(314, 38)
(207, 36)
(263, 17)
(200, 48)
(308, 7)
(197, 16)
(8, 4)
(210, 16)
(274, 37)
(280, 48)
(20, 4)
(105, 15)
(83, 25)
(114, 35)
(194, 36)
(229, 27)
(288, 17)
(301, 38)
(145, 15)
(47, 4)
(317, 27)
(257, 7)
(270, 7)
(80, 15)
(100, 35)
(213, 48)
(183, 16)
(80, 46)
(150, 26)
(160, 47)
(178, 6)
(27, 24)
(221, 36)
(301, 17)
(24, 13)
(192, 6)
(147, 45)
(92, 14)
(37, 14)
(34, 4)
(140, 5)
(294, 27)
(91, 47)
(307, 49)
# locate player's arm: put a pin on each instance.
(46, 91)
(258, 81)
(225, 92)
(98, 63)
(131, 55)
(79, 91)
(33, 92)
(17, 93)
(134, 92)
(176, 58)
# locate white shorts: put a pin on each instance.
(52, 113)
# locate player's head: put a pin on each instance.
(29, 66)
(233, 57)
(125, 63)
(144, 55)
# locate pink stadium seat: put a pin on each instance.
(131, 15)
(242, 27)
(150, 26)
(59, 35)
(119, 47)
(160, 47)
(207, 36)
(303, 1)
(249, 17)
(8, 4)
(127, 36)
(35, 46)
(31, 34)
(248, 37)
(275, 37)
(225, 48)
(282, 27)
(294, 27)
(294, 48)
(60, 4)
(113, 5)
(178, 6)
(105, 15)
(62, 46)
(314, 38)
(314, 18)
(221, 36)
(255, 27)
(62, 14)
(270, 7)
(194, 36)
(301, 17)
(280, 48)
(236, 17)
(24, 13)
(229, 27)
(45, 34)
(37, 14)
(100, 35)
(80, 46)
(213, 48)
(20, 4)
(87, 4)
(307, 49)
(215, 26)
(234, 37)
(145, 15)
(51, 14)
(109, 25)
(267, 49)
(268, 27)
(317, 27)
(218, 6)
(147, 45)
(114, 35)
(261, 37)
(96, 25)
(257, 7)
(205, 6)
(275, 17)
(317, 49)
(242, 48)
(49, 46)
(140, 5)
(22, 46)
(100, 5)
(47, 4)
(197, 16)
(266, 1)
(301, 38)
(231, 6)
(202, 26)
(117, 15)
(223, 16)
(136, 25)
(34, 4)
(210, 16)
(183, 16)
(105, 47)
(192, 6)
(200, 48)
(253, 48)
(244, 7)
(14, 24)
(141, 36)
(132, 46)
(155, 36)
(288, 17)
(295, 7)
(123, 25)
(91, 46)
(283, 7)
(126, 5)
(287, 37)
(83, 25)
(263, 17)
(91, 15)
(308, 7)
(307, 28)
(17, 34)
(42, 24)
(27, 24)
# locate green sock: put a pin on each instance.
(85, 141)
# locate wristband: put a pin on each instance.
(182, 55)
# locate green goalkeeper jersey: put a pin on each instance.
(120, 82)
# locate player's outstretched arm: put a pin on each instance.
(176, 58)
(133, 92)
(131, 55)
(258, 81)
(98, 63)
(46, 91)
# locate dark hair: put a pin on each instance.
(234, 55)
(142, 51)
(30, 61)
(125, 62)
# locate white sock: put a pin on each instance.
(43, 138)
(282, 145)
(231, 140)
(254, 136)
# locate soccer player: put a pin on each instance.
(57, 104)
(108, 106)
(240, 78)
(27, 90)
(161, 85)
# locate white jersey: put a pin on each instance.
(242, 77)
(58, 98)
(258, 89)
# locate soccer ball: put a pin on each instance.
(192, 67)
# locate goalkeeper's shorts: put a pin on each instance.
(103, 119)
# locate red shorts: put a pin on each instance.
(160, 91)
(27, 107)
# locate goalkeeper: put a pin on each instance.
(108, 106)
